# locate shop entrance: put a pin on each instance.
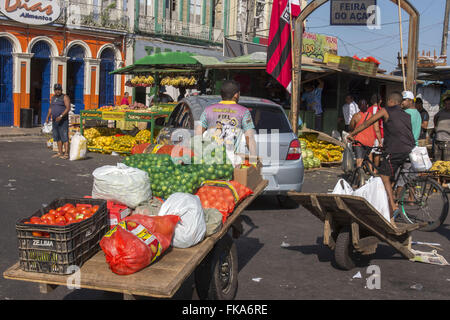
(6, 74)
(75, 77)
(40, 81)
(106, 90)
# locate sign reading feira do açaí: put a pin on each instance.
(351, 12)
(37, 12)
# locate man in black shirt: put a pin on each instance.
(398, 141)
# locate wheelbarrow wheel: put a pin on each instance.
(216, 277)
(344, 254)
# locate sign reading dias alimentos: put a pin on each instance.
(31, 11)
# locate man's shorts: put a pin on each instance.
(361, 151)
(390, 164)
(61, 130)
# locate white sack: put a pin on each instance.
(342, 187)
(121, 183)
(375, 193)
(420, 160)
(192, 227)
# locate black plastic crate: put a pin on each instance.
(66, 246)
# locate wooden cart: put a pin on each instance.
(213, 261)
(352, 227)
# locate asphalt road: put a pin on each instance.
(280, 253)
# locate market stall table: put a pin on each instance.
(139, 116)
(163, 278)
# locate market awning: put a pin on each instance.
(168, 62)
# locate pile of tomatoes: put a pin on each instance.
(63, 216)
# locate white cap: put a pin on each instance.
(408, 95)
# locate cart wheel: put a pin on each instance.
(343, 253)
(216, 277)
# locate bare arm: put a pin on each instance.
(425, 125)
(376, 126)
(49, 113)
(381, 114)
(354, 121)
(251, 144)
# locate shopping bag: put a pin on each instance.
(342, 187)
(375, 193)
(78, 147)
(348, 159)
(420, 160)
(47, 128)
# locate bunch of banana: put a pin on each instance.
(143, 136)
(324, 151)
(142, 81)
(178, 81)
(121, 144)
(443, 167)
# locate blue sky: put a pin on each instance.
(384, 44)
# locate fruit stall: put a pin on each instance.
(123, 143)
(319, 149)
(130, 225)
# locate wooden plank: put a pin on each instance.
(367, 245)
(162, 279)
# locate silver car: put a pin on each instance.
(283, 168)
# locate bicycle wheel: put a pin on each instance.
(424, 200)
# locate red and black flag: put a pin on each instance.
(279, 51)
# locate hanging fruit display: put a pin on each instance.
(179, 82)
(141, 81)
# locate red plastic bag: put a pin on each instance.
(132, 246)
(161, 225)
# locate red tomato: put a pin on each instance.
(60, 221)
(35, 220)
(71, 211)
(52, 211)
(59, 209)
(69, 215)
(85, 211)
(46, 234)
(95, 208)
(37, 234)
(58, 214)
(67, 206)
(50, 219)
(70, 219)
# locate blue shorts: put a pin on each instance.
(61, 130)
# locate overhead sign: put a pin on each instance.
(316, 45)
(36, 12)
(352, 12)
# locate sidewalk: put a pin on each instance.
(19, 132)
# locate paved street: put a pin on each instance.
(280, 255)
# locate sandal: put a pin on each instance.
(56, 155)
(64, 156)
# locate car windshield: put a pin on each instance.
(269, 118)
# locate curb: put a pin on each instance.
(21, 135)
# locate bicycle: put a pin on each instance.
(422, 199)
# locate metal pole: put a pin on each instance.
(445, 32)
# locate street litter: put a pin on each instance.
(357, 275)
(257, 279)
(417, 287)
(9, 185)
(425, 243)
(429, 257)
(285, 245)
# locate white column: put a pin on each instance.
(55, 63)
(18, 58)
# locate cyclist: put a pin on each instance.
(368, 136)
(398, 142)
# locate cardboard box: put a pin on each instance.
(249, 177)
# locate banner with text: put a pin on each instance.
(353, 13)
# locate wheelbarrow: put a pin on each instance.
(353, 227)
